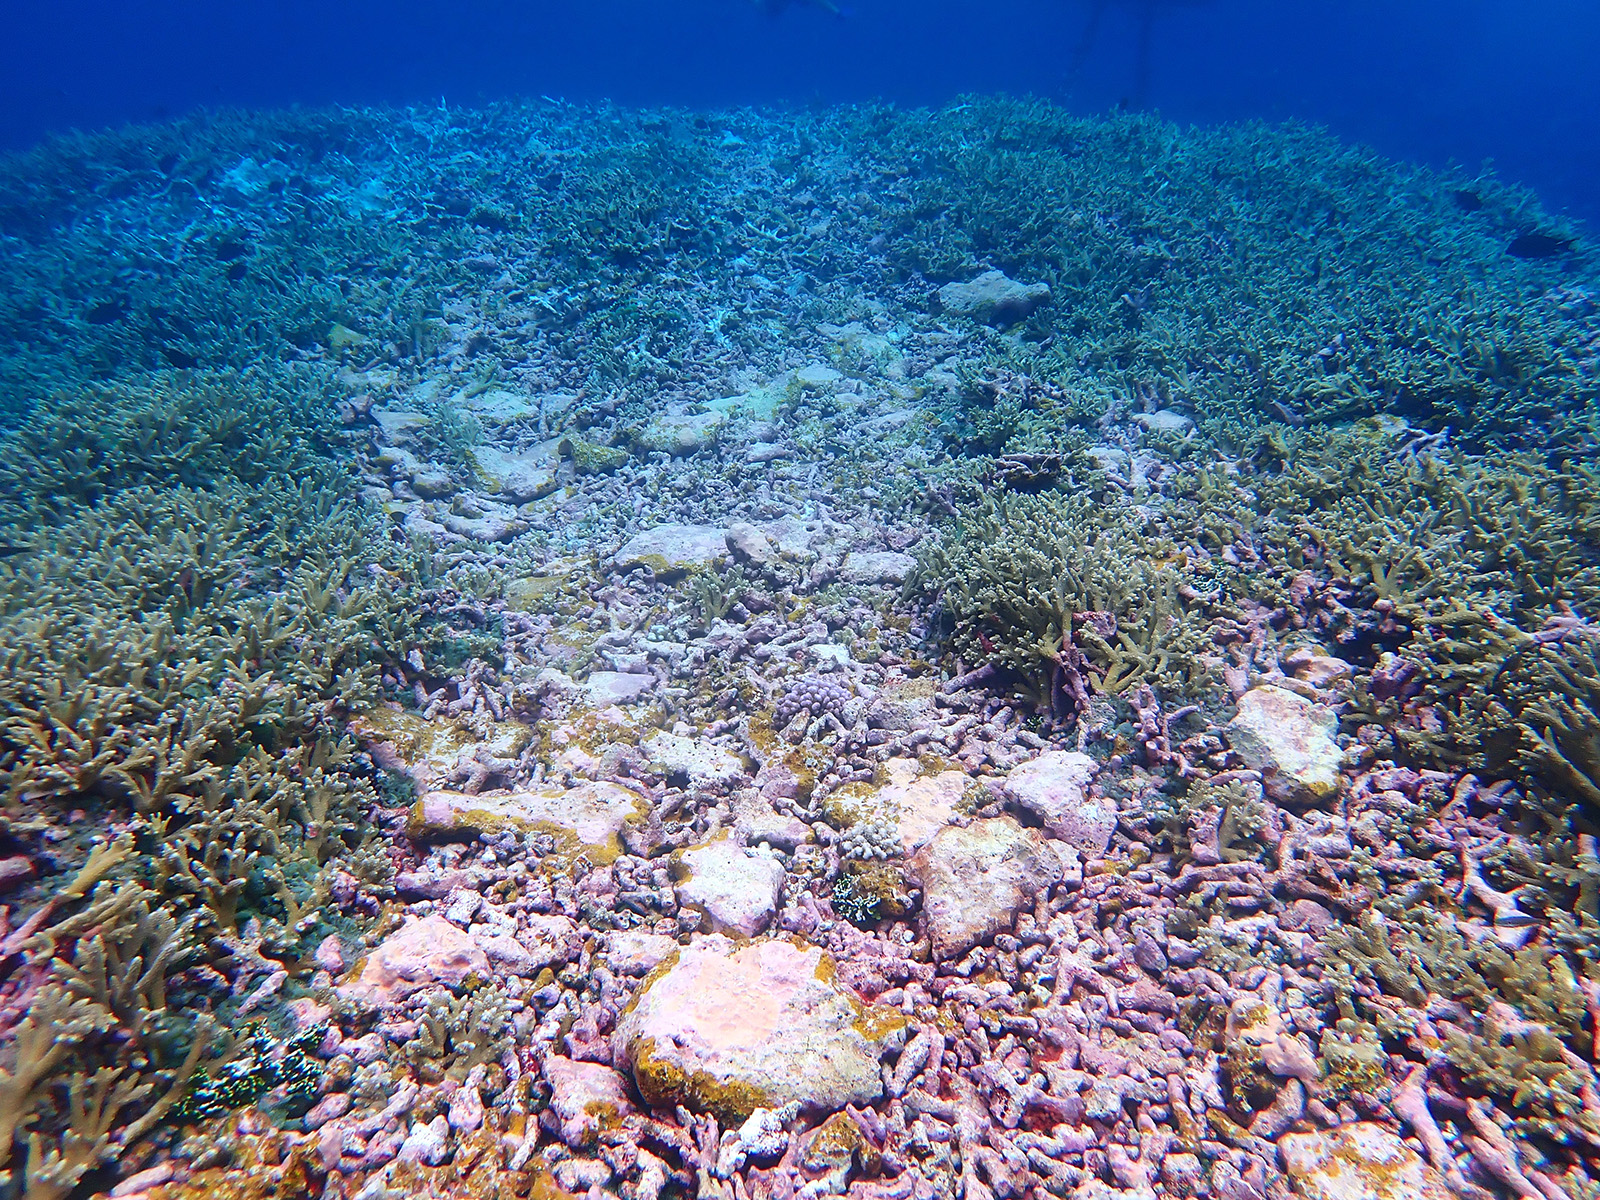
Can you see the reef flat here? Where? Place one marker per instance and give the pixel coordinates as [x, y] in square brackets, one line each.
[909, 655]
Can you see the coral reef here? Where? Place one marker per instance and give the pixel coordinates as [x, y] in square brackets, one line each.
[911, 656]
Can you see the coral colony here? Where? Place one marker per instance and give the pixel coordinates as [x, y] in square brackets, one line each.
[950, 655]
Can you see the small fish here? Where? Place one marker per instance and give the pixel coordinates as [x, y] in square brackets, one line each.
[1539, 245]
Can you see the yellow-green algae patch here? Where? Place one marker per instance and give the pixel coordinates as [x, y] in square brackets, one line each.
[432, 747]
[584, 820]
[663, 1082]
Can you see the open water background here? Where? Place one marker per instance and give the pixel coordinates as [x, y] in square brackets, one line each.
[1515, 81]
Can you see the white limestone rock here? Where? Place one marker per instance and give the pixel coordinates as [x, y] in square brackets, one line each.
[1358, 1161]
[674, 549]
[586, 819]
[877, 566]
[737, 889]
[1055, 788]
[1289, 739]
[976, 880]
[993, 299]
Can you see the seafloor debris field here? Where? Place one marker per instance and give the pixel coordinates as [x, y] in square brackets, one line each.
[901, 655]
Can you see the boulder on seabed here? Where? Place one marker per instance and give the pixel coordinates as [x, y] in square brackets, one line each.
[976, 880]
[1289, 739]
[729, 1029]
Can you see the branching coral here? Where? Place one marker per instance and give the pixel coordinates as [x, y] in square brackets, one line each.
[1028, 578]
[197, 612]
[470, 1030]
[1393, 299]
[1520, 1030]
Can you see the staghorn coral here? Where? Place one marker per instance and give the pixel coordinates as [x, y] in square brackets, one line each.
[472, 1026]
[1028, 578]
[1162, 245]
[1520, 1018]
[257, 614]
[1514, 531]
[182, 641]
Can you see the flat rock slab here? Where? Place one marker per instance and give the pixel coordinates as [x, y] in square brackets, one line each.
[673, 549]
[877, 566]
[1359, 1161]
[681, 433]
[398, 426]
[920, 805]
[400, 740]
[976, 880]
[727, 1030]
[1055, 788]
[519, 476]
[586, 819]
[426, 952]
[616, 687]
[993, 299]
[1289, 739]
[738, 890]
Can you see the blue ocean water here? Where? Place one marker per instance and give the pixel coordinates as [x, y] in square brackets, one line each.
[1464, 81]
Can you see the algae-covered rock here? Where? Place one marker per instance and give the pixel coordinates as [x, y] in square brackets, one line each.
[976, 880]
[1054, 787]
[994, 299]
[422, 953]
[519, 476]
[877, 566]
[673, 549]
[586, 819]
[1359, 1161]
[1289, 739]
[586, 1098]
[681, 433]
[727, 1030]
